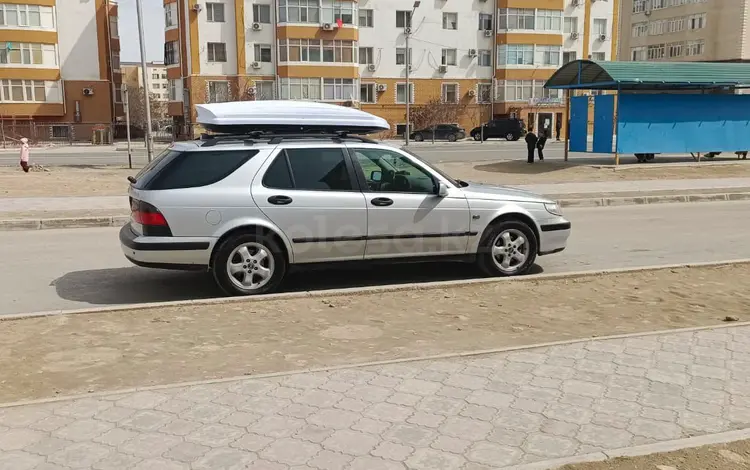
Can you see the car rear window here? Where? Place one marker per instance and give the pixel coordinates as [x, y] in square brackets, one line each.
[178, 170]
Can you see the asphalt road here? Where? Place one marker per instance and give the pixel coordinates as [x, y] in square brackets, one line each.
[77, 268]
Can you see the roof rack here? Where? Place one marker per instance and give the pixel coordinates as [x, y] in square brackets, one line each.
[210, 140]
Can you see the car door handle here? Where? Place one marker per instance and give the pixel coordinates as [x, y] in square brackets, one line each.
[280, 200]
[381, 201]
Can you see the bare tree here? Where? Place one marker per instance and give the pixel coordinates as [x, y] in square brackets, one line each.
[137, 105]
[436, 112]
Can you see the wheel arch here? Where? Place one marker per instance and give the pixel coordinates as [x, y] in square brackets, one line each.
[255, 228]
[516, 214]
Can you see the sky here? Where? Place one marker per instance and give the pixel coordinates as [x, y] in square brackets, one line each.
[153, 23]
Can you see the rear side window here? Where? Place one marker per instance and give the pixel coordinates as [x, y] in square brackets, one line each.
[193, 169]
[313, 169]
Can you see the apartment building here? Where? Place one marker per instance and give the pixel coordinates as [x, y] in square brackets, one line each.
[156, 72]
[490, 57]
[685, 30]
[59, 64]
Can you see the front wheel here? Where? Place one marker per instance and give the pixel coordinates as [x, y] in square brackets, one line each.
[418, 137]
[249, 264]
[510, 137]
[508, 248]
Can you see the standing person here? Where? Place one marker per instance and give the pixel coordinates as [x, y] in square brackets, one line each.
[25, 154]
[540, 143]
[531, 141]
[558, 128]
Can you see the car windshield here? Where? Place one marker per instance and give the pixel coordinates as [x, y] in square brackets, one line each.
[454, 182]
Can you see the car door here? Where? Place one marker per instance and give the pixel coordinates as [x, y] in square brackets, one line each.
[313, 196]
[441, 132]
[406, 216]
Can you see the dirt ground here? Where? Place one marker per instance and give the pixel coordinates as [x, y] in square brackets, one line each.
[111, 181]
[730, 456]
[42, 357]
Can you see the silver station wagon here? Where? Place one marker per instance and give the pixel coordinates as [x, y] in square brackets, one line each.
[287, 184]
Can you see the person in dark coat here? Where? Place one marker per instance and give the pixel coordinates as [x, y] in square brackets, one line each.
[540, 143]
[531, 141]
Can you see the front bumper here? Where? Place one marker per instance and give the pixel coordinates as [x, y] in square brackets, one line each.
[182, 253]
[553, 237]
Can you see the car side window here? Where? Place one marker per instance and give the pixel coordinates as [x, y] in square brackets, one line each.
[390, 172]
[312, 169]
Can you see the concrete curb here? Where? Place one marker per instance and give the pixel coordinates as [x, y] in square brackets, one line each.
[636, 451]
[367, 290]
[119, 220]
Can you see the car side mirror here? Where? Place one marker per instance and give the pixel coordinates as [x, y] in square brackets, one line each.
[441, 190]
[376, 176]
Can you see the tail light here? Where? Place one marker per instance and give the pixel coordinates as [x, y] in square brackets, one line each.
[150, 218]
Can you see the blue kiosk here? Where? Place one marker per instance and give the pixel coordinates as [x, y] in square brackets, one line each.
[659, 107]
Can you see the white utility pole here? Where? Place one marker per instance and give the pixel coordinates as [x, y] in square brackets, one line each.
[407, 33]
[144, 71]
[126, 100]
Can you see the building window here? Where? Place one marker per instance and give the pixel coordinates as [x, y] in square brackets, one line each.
[655, 28]
[401, 94]
[403, 19]
[173, 90]
[401, 56]
[366, 55]
[155, 76]
[171, 53]
[675, 49]
[155, 86]
[515, 90]
[262, 52]
[694, 48]
[217, 52]
[449, 57]
[339, 89]
[570, 24]
[515, 54]
[484, 93]
[170, 15]
[449, 93]
[516, 18]
[599, 56]
[674, 25]
[26, 16]
[28, 54]
[485, 58]
[569, 56]
[315, 50]
[334, 10]
[600, 27]
[639, 6]
[485, 22]
[549, 20]
[640, 30]
[218, 91]
[548, 55]
[367, 93]
[262, 13]
[115, 61]
[299, 11]
[450, 21]
[697, 21]
[365, 18]
[265, 90]
[656, 52]
[300, 89]
[29, 91]
[638, 54]
[114, 31]
[215, 12]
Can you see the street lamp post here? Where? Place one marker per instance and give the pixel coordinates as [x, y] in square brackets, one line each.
[407, 33]
[144, 71]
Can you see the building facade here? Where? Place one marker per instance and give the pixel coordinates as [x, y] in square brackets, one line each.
[489, 58]
[685, 30]
[156, 72]
[59, 67]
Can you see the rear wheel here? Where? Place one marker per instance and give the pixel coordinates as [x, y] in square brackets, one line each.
[451, 137]
[508, 248]
[418, 137]
[249, 264]
[510, 137]
[477, 137]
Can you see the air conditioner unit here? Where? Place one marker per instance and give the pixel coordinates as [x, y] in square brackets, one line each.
[472, 52]
[370, 67]
[573, 35]
[382, 87]
[576, 3]
[602, 37]
[88, 92]
[197, 7]
[443, 69]
[255, 65]
[488, 33]
[257, 26]
[471, 93]
[327, 27]
[251, 90]
[407, 30]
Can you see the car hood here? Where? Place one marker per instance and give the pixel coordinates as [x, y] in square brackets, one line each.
[502, 193]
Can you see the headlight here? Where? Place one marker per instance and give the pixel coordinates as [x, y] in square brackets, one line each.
[553, 209]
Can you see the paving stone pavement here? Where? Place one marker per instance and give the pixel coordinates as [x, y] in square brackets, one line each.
[469, 413]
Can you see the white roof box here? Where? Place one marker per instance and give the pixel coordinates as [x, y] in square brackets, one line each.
[285, 116]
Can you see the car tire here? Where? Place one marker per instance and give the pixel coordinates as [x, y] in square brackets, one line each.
[452, 137]
[477, 137]
[263, 252]
[418, 137]
[510, 137]
[510, 240]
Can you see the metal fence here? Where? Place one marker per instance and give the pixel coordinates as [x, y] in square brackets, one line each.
[54, 133]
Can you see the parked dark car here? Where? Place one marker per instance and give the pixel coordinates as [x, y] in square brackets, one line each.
[449, 132]
[508, 129]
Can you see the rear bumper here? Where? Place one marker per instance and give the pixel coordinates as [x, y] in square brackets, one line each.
[166, 252]
[554, 237]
